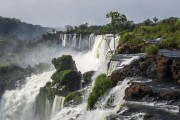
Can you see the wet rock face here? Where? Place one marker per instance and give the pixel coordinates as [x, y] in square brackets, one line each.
[176, 70]
[137, 91]
[119, 75]
[168, 69]
[163, 68]
[170, 95]
[143, 67]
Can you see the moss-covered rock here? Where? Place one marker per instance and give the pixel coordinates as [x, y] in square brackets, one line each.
[70, 78]
[87, 77]
[102, 84]
[65, 62]
[73, 98]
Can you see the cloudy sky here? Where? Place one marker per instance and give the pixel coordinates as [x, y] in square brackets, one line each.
[57, 13]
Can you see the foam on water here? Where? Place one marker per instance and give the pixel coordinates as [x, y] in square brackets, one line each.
[19, 104]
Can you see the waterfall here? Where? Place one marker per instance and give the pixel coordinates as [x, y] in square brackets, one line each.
[64, 41]
[116, 94]
[121, 61]
[19, 104]
[30, 103]
[80, 38]
[57, 104]
[74, 40]
[91, 40]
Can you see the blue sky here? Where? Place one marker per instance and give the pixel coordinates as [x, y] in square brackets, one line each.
[58, 13]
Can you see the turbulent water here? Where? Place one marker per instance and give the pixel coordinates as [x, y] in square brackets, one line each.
[19, 104]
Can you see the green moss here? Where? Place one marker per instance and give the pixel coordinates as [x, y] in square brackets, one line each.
[151, 49]
[65, 62]
[87, 76]
[70, 78]
[102, 84]
[73, 98]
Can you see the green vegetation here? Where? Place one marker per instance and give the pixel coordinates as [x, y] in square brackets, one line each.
[65, 62]
[70, 78]
[152, 49]
[12, 27]
[66, 73]
[102, 84]
[73, 98]
[167, 30]
[87, 76]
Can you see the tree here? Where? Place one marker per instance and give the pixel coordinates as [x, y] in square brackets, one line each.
[148, 22]
[53, 30]
[68, 28]
[155, 19]
[117, 20]
[83, 26]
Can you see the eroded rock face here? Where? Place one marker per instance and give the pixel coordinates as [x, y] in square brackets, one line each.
[168, 69]
[176, 70]
[164, 73]
[163, 68]
[169, 95]
[137, 91]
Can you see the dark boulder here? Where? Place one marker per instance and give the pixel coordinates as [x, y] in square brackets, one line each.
[137, 91]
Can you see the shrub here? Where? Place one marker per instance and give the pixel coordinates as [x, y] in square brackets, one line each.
[102, 84]
[151, 49]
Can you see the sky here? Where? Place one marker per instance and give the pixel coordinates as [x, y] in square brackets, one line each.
[58, 13]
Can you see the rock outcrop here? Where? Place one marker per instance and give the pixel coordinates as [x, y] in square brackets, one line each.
[66, 79]
[137, 91]
[65, 62]
[165, 69]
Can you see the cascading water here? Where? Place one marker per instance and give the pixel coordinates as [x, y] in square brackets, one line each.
[57, 104]
[120, 62]
[19, 104]
[24, 104]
